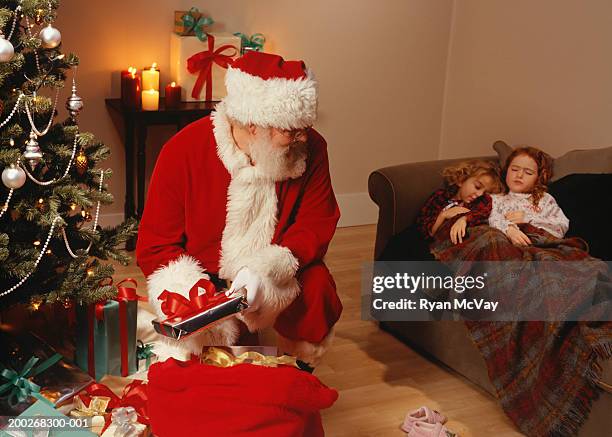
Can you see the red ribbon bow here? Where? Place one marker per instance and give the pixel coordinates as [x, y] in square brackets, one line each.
[203, 62]
[177, 305]
[134, 395]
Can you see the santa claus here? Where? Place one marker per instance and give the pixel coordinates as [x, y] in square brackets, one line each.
[245, 195]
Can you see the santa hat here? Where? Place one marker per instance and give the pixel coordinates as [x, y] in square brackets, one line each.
[265, 90]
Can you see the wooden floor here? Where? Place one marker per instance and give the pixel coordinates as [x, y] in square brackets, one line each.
[378, 377]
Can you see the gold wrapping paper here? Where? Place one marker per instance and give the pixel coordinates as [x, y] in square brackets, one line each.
[96, 410]
[222, 358]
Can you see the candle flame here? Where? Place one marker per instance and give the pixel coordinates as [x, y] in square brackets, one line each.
[173, 84]
[132, 71]
[154, 66]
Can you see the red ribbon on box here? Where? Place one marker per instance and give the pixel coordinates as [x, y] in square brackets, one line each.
[177, 305]
[125, 294]
[134, 395]
[203, 62]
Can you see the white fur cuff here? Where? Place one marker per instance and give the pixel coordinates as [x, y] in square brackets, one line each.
[276, 263]
[178, 277]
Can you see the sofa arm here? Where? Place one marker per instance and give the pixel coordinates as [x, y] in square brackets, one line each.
[400, 191]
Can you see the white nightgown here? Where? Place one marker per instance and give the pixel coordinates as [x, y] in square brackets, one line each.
[547, 216]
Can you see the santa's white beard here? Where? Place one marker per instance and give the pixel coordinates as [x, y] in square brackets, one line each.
[278, 163]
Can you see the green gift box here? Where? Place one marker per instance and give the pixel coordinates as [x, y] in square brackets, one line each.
[30, 370]
[60, 425]
[106, 338]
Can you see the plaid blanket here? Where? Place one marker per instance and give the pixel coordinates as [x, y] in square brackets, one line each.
[544, 373]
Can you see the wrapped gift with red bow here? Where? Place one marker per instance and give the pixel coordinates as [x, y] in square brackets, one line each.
[106, 334]
[199, 67]
[201, 311]
[111, 408]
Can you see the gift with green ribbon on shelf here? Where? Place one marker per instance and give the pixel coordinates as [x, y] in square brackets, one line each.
[191, 22]
[254, 42]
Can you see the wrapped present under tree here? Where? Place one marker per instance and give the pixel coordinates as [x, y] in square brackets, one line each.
[106, 334]
[30, 370]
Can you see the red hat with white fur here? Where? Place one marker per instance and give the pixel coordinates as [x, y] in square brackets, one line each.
[265, 90]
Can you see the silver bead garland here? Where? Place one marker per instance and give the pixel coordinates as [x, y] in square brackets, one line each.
[35, 51]
[17, 9]
[95, 223]
[52, 181]
[6, 203]
[45, 130]
[42, 253]
[13, 111]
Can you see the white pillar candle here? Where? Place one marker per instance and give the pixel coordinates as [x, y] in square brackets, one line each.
[150, 78]
[150, 100]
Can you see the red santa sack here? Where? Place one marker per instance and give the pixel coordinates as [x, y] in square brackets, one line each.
[195, 399]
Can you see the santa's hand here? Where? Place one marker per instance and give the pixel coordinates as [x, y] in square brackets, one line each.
[249, 281]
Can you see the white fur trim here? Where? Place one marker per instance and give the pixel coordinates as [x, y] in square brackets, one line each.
[249, 228]
[236, 161]
[310, 353]
[277, 102]
[230, 155]
[178, 277]
[275, 262]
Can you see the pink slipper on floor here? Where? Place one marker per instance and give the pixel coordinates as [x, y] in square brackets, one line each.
[423, 414]
[423, 429]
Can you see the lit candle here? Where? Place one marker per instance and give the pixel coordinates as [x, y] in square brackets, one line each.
[150, 78]
[130, 88]
[150, 100]
[173, 96]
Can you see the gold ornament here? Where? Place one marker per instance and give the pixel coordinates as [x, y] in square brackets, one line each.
[40, 17]
[81, 162]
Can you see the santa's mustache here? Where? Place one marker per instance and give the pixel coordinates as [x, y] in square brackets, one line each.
[279, 163]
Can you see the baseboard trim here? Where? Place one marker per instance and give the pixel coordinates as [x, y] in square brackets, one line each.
[356, 209]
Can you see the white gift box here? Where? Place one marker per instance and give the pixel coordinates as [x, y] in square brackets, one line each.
[184, 47]
[140, 430]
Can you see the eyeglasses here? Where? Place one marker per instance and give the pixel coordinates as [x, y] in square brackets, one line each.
[293, 134]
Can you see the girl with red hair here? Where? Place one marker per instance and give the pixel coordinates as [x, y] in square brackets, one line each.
[527, 172]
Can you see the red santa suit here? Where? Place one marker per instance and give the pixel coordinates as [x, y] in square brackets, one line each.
[209, 209]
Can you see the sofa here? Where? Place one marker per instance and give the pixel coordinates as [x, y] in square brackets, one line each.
[400, 191]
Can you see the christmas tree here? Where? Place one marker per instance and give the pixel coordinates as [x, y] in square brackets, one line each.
[52, 190]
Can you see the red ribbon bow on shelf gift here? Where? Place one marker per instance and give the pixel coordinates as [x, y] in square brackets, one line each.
[203, 62]
[134, 395]
[177, 305]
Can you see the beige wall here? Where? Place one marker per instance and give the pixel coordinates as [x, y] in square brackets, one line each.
[528, 72]
[380, 65]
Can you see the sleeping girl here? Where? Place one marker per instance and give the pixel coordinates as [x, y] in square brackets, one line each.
[464, 195]
[527, 172]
